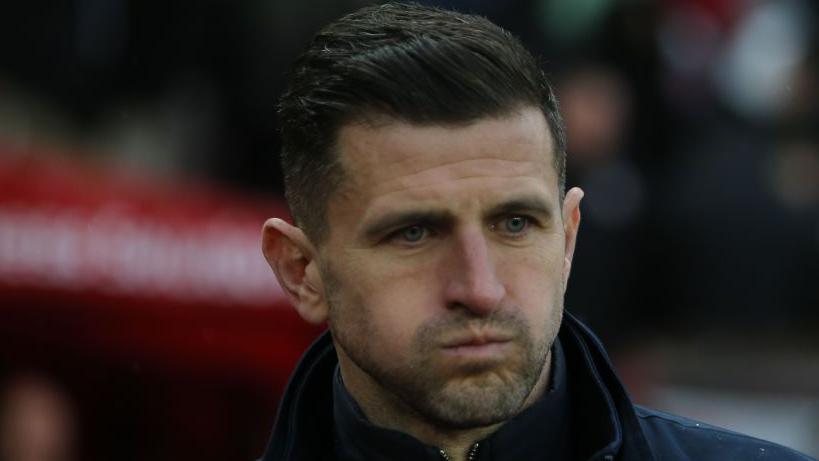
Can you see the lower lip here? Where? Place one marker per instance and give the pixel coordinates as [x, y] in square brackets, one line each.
[478, 351]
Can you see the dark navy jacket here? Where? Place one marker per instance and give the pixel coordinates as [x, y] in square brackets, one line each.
[607, 425]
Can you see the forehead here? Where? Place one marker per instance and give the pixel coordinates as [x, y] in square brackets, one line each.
[379, 157]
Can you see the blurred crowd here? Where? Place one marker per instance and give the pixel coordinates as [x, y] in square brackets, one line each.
[37, 420]
[693, 127]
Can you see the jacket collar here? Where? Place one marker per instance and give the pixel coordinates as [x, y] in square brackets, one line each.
[606, 426]
[522, 437]
[626, 441]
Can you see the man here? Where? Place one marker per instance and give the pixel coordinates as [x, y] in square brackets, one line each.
[424, 166]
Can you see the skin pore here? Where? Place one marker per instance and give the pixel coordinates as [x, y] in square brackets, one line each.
[443, 275]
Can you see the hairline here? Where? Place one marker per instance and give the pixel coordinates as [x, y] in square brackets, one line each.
[375, 118]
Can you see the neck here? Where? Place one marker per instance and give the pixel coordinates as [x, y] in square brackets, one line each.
[384, 409]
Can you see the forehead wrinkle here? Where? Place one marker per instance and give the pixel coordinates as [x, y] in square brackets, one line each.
[415, 160]
[472, 170]
[402, 164]
[417, 196]
[371, 148]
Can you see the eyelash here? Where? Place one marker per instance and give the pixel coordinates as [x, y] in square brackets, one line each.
[397, 236]
[527, 223]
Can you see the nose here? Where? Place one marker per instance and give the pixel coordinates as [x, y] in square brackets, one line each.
[472, 280]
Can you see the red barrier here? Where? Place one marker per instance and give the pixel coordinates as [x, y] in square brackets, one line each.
[166, 273]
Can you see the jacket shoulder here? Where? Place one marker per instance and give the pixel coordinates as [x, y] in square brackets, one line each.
[676, 438]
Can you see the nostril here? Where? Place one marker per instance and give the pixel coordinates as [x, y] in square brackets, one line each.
[480, 298]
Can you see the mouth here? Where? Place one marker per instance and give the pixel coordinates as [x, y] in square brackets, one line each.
[481, 346]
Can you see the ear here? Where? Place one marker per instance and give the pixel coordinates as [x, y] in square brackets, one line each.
[571, 224]
[294, 261]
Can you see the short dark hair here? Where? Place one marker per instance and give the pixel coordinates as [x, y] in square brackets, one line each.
[408, 62]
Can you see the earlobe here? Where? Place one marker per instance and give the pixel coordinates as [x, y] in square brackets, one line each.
[571, 226]
[293, 259]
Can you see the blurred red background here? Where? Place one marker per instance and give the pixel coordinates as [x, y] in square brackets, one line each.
[139, 321]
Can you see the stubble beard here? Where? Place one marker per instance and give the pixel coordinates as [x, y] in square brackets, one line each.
[463, 396]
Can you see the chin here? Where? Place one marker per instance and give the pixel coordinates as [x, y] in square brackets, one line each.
[476, 402]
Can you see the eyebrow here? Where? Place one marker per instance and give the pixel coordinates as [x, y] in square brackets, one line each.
[529, 204]
[398, 219]
[439, 218]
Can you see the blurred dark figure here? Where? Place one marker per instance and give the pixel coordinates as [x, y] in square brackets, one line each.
[37, 421]
[598, 105]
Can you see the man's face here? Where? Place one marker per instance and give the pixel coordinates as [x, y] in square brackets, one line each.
[444, 270]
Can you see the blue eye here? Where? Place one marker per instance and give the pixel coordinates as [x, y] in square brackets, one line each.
[515, 224]
[413, 234]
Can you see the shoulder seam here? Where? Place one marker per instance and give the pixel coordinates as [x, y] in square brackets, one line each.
[647, 413]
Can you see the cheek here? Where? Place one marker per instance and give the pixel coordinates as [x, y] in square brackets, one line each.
[534, 284]
[393, 301]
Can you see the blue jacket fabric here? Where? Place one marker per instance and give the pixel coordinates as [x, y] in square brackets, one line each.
[609, 427]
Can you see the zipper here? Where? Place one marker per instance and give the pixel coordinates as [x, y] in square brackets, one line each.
[470, 456]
